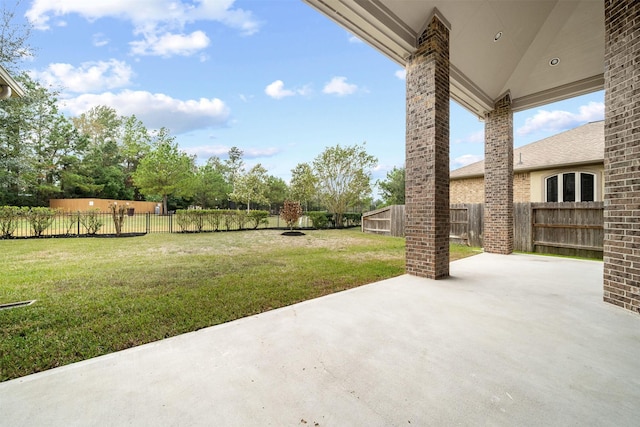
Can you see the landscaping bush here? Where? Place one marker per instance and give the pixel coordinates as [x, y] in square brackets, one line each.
[213, 219]
[9, 219]
[40, 219]
[229, 219]
[72, 222]
[291, 212]
[90, 220]
[320, 219]
[352, 219]
[241, 219]
[183, 219]
[117, 213]
[255, 218]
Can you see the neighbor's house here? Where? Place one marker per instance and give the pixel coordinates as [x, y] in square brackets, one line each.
[8, 87]
[567, 167]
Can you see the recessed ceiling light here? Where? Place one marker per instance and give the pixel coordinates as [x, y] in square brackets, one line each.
[554, 61]
[497, 36]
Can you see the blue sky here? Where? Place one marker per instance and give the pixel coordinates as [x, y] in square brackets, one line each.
[273, 77]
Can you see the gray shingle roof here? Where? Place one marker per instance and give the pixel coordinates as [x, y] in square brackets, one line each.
[581, 145]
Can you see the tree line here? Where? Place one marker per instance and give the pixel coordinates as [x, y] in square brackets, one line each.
[100, 154]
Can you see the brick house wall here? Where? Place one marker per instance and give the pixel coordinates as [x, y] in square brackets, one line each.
[467, 190]
[521, 187]
[471, 190]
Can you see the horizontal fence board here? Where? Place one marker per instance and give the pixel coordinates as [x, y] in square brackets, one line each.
[576, 226]
[388, 220]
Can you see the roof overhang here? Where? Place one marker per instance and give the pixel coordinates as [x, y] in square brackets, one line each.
[6, 81]
[496, 46]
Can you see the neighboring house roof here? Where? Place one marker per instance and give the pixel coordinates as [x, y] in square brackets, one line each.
[7, 81]
[579, 146]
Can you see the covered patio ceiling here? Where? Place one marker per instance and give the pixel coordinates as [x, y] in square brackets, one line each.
[539, 51]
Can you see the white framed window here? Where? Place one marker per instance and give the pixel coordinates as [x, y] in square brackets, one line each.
[570, 187]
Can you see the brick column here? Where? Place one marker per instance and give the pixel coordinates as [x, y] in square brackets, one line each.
[498, 179]
[622, 155]
[427, 155]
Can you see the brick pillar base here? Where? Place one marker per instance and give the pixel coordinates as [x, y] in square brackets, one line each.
[622, 155]
[498, 179]
[427, 156]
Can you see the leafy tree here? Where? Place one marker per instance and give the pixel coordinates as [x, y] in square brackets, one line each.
[14, 39]
[393, 187]
[303, 184]
[343, 176]
[103, 161]
[15, 155]
[291, 212]
[277, 190]
[251, 187]
[35, 138]
[234, 165]
[136, 143]
[102, 125]
[165, 170]
[211, 188]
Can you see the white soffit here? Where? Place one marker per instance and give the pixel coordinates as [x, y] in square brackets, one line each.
[483, 70]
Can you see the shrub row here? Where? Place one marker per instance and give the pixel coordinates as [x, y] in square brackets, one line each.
[217, 219]
[323, 219]
[40, 218]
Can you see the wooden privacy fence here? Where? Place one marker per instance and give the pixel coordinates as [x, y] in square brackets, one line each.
[466, 223]
[388, 221]
[558, 228]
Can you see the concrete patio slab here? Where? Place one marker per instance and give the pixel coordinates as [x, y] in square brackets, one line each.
[507, 340]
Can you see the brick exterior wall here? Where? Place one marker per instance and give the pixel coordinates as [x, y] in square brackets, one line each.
[622, 155]
[471, 190]
[498, 174]
[427, 155]
[467, 190]
[521, 187]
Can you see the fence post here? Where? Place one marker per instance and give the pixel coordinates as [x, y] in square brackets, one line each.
[148, 220]
[78, 223]
[170, 223]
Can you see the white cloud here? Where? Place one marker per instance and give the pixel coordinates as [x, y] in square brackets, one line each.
[473, 138]
[339, 86]
[145, 14]
[88, 77]
[156, 110]
[207, 151]
[401, 74]
[100, 40]
[159, 22]
[168, 44]
[465, 160]
[558, 120]
[276, 90]
[354, 39]
[254, 153]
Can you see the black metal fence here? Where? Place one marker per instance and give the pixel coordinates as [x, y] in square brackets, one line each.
[95, 224]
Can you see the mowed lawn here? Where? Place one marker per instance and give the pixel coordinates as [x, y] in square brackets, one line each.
[100, 295]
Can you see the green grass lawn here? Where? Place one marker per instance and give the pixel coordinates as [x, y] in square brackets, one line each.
[99, 295]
